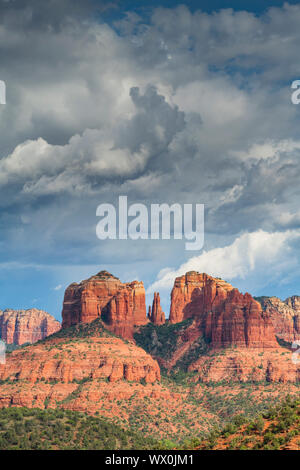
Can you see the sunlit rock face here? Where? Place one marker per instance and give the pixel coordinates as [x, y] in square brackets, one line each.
[26, 326]
[285, 316]
[224, 315]
[120, 305]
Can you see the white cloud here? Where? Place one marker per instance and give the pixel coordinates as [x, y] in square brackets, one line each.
[91, 153]
[249, 253]
[217, 100]
[268, 149]
[116, 151]
[57, 287]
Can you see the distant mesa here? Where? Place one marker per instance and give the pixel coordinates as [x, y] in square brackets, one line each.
[285, 316]
[26, 326]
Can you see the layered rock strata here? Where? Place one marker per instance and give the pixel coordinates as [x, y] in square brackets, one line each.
[120, 305]
[26, 326]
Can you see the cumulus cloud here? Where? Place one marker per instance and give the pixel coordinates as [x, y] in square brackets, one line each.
[79, 166]
[59, 287]
[258, 252]
[268, 149]
[42, 168]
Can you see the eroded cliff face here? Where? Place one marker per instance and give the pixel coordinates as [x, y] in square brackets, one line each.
[244, 365]
[26, 326]
[285, 316]
[156, 314]
[194, 294]
[226, 317]
[120, 305]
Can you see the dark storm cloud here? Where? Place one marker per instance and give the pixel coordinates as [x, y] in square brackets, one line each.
[46, 60]
[117, 153]
[155, 123]
[187, 108]
[38, 14]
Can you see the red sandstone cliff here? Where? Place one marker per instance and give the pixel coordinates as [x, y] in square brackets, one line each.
[120, 305]
[194, 294]
[242, 345]
[285, 315]
[26, 326]
[156, 314]
[224, 315]
[244, 365]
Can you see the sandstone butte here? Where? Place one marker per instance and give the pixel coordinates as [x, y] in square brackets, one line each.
[26, 326]
[156, 314]
[222, 314]
[241, 335]
[285, 315]
[121, 306]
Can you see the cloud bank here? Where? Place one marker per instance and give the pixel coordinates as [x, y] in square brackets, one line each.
[259, 252]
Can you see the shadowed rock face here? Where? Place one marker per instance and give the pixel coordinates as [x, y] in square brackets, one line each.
[285, 315]
[224, 315]
[156, 315]
[120, 305]
[194, 294]
[26, 326]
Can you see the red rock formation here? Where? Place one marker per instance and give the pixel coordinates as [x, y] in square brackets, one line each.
[120, 305]
[285, 316]
[156, 315]
[193, 294]
[26, 326]
[244, 365]
[240, 322]
[224, 315]
[59, 360]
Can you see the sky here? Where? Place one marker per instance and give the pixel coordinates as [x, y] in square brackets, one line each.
[164, 102]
